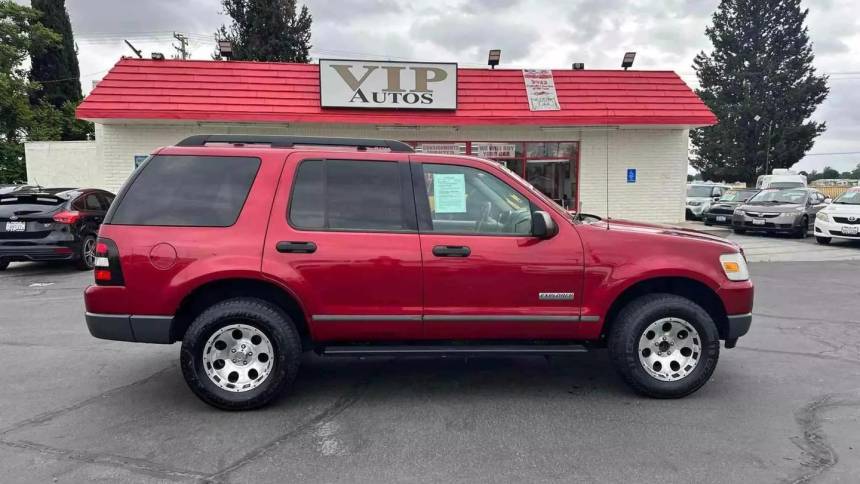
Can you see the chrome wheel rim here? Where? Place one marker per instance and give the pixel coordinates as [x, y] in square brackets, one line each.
[670, 349]
[238, 358]
[90, 252]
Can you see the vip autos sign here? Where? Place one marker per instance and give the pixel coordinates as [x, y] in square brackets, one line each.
[387, 85]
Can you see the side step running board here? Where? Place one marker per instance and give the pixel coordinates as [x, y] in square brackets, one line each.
[439, 350]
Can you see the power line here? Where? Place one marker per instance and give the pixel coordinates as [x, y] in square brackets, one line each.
[834, 154]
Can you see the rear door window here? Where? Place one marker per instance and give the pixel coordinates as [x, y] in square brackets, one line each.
[351, 195]
[187, 191]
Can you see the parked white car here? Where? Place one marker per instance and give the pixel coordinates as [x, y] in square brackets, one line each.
[840, 219]
[700, 196]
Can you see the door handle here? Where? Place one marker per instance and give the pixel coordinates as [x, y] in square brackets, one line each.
[451, 251]
[296, 247]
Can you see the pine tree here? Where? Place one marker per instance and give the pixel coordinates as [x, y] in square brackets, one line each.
[56, 68]
[267, 30]
[760, 82]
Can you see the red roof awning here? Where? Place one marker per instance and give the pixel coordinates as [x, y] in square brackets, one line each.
[289, 93]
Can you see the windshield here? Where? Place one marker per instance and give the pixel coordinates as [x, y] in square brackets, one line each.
[785, 185]
[780, 196]
[700, 191]
[849, 198]
[738, 195]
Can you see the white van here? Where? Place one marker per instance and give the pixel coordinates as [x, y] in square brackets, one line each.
[781, 178]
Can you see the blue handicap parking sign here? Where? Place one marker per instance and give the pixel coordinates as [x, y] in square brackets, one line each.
[631, 175]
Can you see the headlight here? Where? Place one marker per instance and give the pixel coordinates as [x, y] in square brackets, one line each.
[739, 211]
[823, 217]
[735, 267]
[799, 209]
[694, 204]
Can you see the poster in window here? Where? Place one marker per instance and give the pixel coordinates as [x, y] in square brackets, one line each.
[449, 192]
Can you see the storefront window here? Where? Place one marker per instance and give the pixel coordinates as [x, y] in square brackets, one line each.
[550, 166]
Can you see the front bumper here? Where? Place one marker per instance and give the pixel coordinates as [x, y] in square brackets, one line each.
[738, 325]
[834, 230]
[787, 222]
[125, 327]
[718, 218]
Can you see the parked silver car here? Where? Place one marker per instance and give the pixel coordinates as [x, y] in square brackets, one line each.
[790, 210]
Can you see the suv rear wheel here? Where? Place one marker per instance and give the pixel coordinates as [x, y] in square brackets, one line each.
[240, 354]
[664, 346]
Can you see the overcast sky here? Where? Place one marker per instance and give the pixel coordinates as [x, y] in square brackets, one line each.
[531, 33]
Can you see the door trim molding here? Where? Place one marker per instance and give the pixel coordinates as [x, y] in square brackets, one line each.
[455, 317]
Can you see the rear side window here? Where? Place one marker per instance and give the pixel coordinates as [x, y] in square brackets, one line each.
[349, 195]
[188, 191]
[88, 202]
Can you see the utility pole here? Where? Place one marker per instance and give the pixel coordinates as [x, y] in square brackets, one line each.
[182, 48]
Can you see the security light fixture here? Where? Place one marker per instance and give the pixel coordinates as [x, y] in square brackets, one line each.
[628, 60]
[578, 66]
[757, 118]
[157, 56]
[225, 49]
[493, 59]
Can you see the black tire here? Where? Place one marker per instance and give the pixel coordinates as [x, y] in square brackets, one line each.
[633, 321]
[823, 240]
[803, 231]
[4, 263]
[739, 231]
[707, 222]
[86, 261]
[265, 317]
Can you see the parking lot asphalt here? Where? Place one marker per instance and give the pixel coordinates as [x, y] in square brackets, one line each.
[782, 407]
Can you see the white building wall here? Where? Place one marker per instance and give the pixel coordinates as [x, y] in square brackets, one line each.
[658, 154]
[62, 163]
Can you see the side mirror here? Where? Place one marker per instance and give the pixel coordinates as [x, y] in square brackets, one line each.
[828, 201]
[543, 226]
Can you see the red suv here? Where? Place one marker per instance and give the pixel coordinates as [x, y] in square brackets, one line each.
[253, 249]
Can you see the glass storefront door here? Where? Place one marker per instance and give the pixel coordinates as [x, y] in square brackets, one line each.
[552, 177]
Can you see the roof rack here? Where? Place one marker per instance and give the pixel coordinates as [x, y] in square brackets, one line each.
[276, 141]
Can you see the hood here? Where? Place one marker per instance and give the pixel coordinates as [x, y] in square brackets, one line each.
[842, 209]
[668, 230]
[699, 199]
[726, 204]
[772, 207]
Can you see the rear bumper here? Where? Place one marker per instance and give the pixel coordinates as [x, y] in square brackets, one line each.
[125, 327]
[38, 253]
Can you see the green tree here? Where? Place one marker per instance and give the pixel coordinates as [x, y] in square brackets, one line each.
[760, 82]
[267, 30]
[56, 68]
[21, 35]
[56, 71]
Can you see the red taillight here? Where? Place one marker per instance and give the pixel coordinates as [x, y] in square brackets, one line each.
[67, 217]
[108, 271]
[103, 275]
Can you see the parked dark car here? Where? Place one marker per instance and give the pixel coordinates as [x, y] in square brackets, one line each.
[51, 224]
[791, 210]
[720, 213]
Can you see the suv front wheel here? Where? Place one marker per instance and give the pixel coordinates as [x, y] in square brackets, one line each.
[240, 354]
[664, 346]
